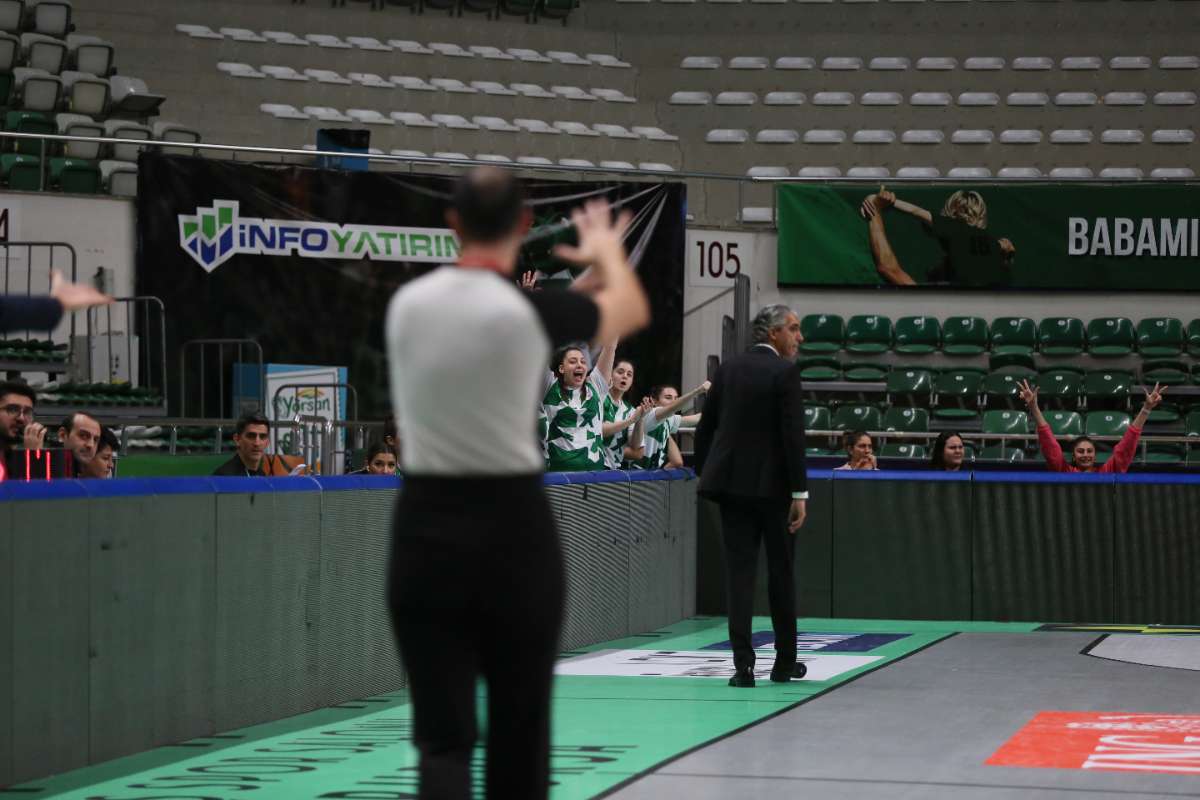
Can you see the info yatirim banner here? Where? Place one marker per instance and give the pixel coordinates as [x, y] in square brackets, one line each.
[1048, 236]
[304, 261]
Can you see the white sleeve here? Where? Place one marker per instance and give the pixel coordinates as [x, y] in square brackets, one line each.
[673, 424]
[598, 383]
[653, 421]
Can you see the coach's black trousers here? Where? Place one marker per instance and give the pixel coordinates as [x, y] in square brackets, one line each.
[476, 589]
[745, 523]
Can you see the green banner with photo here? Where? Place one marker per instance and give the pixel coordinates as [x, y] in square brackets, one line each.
[1020, 236]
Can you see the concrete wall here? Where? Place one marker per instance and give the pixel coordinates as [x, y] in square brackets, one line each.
[138, 613]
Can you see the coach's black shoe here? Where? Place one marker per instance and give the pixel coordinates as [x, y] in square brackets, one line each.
[743, 679]
[784, 675]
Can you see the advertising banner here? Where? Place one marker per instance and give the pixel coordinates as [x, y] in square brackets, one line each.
[304, 261]
[1020, 236]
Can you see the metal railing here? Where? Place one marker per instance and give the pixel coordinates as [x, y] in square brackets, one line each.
[139, 362]
[12, 253]
[203, 344]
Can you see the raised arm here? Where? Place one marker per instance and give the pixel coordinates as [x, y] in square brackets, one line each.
[662, 413]
[610, 281]
[1126, 449]
[886, 263]
[1153, 398]
[1051, 450]
[604, 361]
[635, 447]
[674, 457]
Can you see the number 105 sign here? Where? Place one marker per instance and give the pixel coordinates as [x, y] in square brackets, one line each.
[715, 258]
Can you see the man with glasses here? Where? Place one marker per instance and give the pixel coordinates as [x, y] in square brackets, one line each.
[17, 428]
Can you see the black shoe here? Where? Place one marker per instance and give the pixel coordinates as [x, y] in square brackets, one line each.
[784, 675]
[743, 679]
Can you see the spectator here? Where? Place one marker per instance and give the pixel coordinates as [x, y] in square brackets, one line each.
[101, 464]
[380, 460]
[860, 447]
[17, 428]
[80, 433]
[250, 437]
[572, 413]
[949, 452]
[662, 423]
[1083, 449]
[620, 415]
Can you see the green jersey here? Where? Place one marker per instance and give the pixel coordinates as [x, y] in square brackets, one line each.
[655, 441]
[614, 446]
[574, 437]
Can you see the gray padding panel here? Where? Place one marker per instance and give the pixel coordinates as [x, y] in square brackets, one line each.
[649, 551]
[266, 546]
[50, 636]
[6, 644]
[1157, 553]
[356, 643]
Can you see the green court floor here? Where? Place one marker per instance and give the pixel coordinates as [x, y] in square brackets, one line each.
[643, 701]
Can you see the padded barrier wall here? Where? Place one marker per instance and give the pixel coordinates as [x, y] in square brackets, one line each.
[988, 546]
[136, 613]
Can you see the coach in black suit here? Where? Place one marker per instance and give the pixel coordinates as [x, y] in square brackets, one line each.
[750, 457]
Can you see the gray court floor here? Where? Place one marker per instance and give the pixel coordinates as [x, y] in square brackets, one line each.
[924, 726]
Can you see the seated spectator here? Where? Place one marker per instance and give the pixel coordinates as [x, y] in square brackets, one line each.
[571, 416]
[380, 460]
[17, 428]
[619, 416]
[101, 464]
[662, 423]
[1083, 449]
[250, 437]
[860, 447]
[80, 433]
[949, 452]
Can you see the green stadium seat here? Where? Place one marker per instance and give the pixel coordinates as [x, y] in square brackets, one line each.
[75, 175]
[1110, 337]
[1013, 335]
[1060, 388]
[1005, 421]
[816, 418]
[1191, 423]
[1193, 338]
[1003, 388]
[1166, 372]
[1106, 423]
[823, 333]
[556, 9]
[818, 368]
[29, 122]
[866, 372]
[964, 336]
[855, 417]
[903, 451]
[1061, 336]
[1006, 453]
[1159, 337]
[957, 393]
[6, 84]
[911, 385]
[868, 333]
[1022, 362]
[1165, 414]
[917, 335]
[1064, 423]
[21, 172]
[1163, 454]
[1107, 386]
[906, 420]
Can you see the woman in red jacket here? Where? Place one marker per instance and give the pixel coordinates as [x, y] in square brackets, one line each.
[1084, 449]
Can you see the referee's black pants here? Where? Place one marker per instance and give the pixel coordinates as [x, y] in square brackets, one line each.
[476, 589]
[745, 523]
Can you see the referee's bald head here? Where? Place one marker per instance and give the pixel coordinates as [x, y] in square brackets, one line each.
[488, 206]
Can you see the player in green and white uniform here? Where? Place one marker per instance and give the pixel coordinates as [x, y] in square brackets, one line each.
[662, 423]
[622, 419]
[573, 409]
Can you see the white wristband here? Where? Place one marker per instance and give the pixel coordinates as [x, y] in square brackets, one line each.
[799, 495]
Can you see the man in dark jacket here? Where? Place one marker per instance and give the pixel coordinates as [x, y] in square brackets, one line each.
[750, 458]
[251, 436]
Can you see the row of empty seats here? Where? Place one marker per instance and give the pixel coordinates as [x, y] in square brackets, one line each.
[532, 161]
[967, 173]
[81, 53]
[26, 172]
[47, 17]
[419, 84]
[965, 136]
[935, 99]
[79, 92]
[415, 119]
[1105, 337]
[406, 46]
[941, 63]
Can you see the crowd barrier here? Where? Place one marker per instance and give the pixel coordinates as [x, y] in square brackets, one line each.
[1027, 546]
[143, 612]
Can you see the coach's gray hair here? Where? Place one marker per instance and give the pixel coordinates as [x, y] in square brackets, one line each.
[766, 320]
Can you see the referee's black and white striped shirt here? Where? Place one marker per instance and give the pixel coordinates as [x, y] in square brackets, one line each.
[468, 352]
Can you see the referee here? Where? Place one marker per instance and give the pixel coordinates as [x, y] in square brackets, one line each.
[476, 576]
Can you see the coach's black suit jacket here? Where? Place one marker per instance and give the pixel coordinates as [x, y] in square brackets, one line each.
[750, 441]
